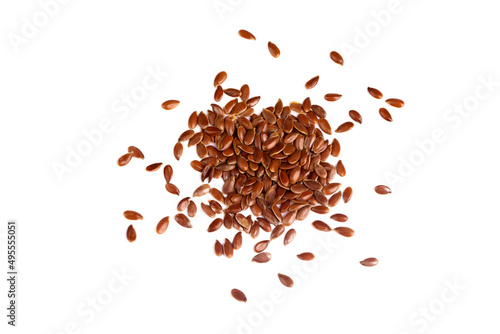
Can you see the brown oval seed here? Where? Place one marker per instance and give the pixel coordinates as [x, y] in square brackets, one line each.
[273, 50]
[170, 104]
[215, 225]
[192, 121]
[201, 190]
[208, 210]
[344, 127]
[154, 167]
[239, 295]
[339, 217]
[356, 117]
[246, 35]
[321, 226]
[186, 135]
[162, 225]
[335, 199]
[337, 58]
[331, 188]
[397, 103]
[178, 150]
[383, 190]
[228, 248]
[136, 153]
[171, 188]
[341, 168]
[285, 280]
[131, 234]
[369, 262]
[277, 231]
[344, 231]
[312, 82]
[289, 236]
[325, 126]
[168, 172]
[125, 159]
[375, 93]
[237, 240]
[220, 78]
[182, 220]
[385, 114]
[332, 97]
[183, 204]
[262, 257]
[261, 246]
[347, 195]
[191, 209]
[132, 215]
[218, 248]
[306, 256]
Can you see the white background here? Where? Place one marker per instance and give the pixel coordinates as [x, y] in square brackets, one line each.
[439, 227]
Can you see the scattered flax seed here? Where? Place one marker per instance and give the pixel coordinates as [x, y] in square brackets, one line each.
[182, 220]
[183, 204]
[153, 167]
[375, 93]
[136, 153]
[344, 231]
[219, 250]
[132, 215]
[262, 257]
[237, 240]
[131, 234]
[285, 280]
[170, 104]
[162, 225]
[341, 168]
[337, 58]
[239, 295]
[335, 199]
[383, 190]
[201, 190]
[321, 226]
[220, 78]
[397, 103]
[347, 195]
[178, 151]
[273, 50]
[385, 114]
[124, 159]
[339, 217]
[312, 82]
[306, 256]
[168, 172]
[172, 188]
[228, 248]
[289, 236]
[215, 225]
[344, 127]
[356, 117]
[246, 35]
[369, 262]
[261, 246]
[332, 97]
